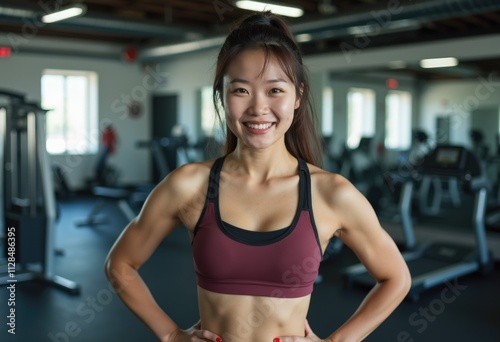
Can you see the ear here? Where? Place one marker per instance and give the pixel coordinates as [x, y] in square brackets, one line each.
[298, 100]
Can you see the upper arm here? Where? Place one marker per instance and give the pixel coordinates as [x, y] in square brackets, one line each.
[361, 231]
[157, 219]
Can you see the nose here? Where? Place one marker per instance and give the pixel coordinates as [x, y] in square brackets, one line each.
[258, 105]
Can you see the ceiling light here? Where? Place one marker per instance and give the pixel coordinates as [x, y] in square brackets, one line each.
[303, 37]
[439, 62]
[257, 6]
[169, 50]
[65, 13]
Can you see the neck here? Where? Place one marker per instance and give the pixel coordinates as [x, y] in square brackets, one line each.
[263, 164]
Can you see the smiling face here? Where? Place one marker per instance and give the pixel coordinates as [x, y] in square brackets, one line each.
[259, 102]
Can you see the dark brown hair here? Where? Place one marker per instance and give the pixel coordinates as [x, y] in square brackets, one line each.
[271, 33]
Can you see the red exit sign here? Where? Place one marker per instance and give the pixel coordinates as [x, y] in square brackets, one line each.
[5, 51]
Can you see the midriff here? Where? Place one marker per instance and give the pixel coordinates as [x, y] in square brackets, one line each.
[241, 318]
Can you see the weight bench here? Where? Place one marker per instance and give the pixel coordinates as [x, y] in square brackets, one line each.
[120, 196]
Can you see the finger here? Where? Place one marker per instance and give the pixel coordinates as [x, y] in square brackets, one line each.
[291, 339]
[310, 333]
[308, 328]
[208, 335]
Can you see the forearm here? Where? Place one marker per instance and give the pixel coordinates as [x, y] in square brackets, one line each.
[380, 302]
[135, 294]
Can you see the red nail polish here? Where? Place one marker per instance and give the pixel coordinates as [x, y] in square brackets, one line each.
[277, 339]
[218, 339]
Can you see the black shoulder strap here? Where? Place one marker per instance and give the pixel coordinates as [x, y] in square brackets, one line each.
[214, 180]
[305, 186]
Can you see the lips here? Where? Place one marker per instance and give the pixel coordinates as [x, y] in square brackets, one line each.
[259, 126]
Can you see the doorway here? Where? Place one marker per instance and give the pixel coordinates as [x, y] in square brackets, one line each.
[164, 108]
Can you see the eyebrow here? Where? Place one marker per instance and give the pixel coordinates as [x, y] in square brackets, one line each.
[274, 80]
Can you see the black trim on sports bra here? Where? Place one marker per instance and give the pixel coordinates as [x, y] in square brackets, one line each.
[251, 237]
[308, 199]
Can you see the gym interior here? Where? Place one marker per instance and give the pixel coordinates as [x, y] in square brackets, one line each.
[97, 108]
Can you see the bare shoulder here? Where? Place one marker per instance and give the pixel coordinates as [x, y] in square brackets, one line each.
[340, 201]
[189, 177]
[184, 190]
[332, 187]
[185, 182]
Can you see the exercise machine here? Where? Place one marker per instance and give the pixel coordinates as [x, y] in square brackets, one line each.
[127, 198]
[27, 199]
[435, 263]
[360, 166]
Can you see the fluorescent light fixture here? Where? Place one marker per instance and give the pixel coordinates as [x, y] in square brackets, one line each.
[303, 37]
[258, 6]
[65, 13]
[175, 49]
[439, 62]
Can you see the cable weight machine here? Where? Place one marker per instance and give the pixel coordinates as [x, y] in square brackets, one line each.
[27, 201]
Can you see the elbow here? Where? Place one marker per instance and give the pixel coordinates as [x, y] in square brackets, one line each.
[405, 282]
[400, 283]
[112, 273]
[119, 272]
[109, 266]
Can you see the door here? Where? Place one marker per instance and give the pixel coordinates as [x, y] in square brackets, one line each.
[164, 109]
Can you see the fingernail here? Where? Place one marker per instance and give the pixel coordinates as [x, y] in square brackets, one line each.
[218, 339]
[277, 339]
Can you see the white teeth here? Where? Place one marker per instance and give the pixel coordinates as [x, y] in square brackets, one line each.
[259, 126]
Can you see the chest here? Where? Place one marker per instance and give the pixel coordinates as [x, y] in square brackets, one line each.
[263, 207]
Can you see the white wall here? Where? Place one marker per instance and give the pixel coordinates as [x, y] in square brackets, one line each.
[117, 80]
[457, 100]
[185, 76]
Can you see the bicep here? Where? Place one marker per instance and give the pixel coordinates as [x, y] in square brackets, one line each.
[141, 237]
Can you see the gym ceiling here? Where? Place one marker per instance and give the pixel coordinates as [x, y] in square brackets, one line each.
[160, 29]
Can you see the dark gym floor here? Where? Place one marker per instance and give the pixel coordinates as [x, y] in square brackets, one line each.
[469, 312]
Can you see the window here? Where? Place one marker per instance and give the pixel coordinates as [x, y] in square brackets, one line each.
[360, 115]
[398, 120]
[327, 112]
[71, 123]
[210, 125]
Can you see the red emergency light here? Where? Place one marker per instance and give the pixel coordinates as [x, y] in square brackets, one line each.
[5, 51]
[392, 83]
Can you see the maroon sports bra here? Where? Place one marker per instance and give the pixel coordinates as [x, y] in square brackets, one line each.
[280, 263]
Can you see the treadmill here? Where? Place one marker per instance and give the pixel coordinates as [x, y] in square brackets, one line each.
[436, 263]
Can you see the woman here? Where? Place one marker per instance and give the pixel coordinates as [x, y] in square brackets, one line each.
[255, 278]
